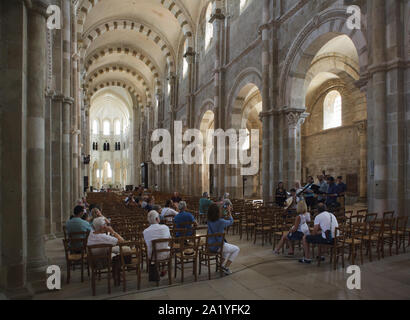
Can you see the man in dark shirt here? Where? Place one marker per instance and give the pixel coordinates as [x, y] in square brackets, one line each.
[332, 193]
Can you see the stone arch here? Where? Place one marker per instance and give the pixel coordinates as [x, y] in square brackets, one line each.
[174, 6]
[249, 76]
[128, 24]
[208, 105]
[320, 30]
[134, 92]
[139, 54]
[115, 67]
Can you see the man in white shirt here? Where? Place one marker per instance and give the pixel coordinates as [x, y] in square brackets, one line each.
[168, 212]
[324, 222]
[156, 231]
[100, 236]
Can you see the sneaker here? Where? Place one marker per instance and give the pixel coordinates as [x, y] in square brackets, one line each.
[308, 261]
[227, 271]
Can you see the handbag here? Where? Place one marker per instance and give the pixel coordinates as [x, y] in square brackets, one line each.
[153, 273]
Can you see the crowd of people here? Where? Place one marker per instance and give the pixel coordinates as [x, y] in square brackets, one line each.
[327, 189]
[218, 216]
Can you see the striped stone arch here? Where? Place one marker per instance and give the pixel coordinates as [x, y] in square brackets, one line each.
[115, 67]
[174, 6]
[134, 52]
[130, 87]
[322, 28]
[126, 24]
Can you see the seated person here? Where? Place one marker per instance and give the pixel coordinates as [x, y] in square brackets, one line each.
[227, 208]
[176, 198]
[168, 211]
[77, 224]
[299, 229]
[280, 195]
[99, 235]
[96, 213]
[182, 218]
[218, 224]
[150, 204]
[323, 232]
[292, 202]
[154, 232]
[309, 194]
[204, 203]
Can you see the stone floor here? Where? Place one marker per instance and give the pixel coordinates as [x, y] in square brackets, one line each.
[257, 274]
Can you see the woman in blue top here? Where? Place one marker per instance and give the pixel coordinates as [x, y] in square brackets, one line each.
[216, 224]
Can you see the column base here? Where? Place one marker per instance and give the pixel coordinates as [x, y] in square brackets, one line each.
[37, 279]
[25, 293]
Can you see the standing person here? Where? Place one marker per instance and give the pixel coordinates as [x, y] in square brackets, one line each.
[184, 217]
[323, 231]
[218, 224]
[204, 204]
[308, 193]
[299, 229]
[341, 190]
[280, 195]
[332, 194]
[322, 188]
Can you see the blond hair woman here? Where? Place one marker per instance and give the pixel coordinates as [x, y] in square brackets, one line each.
[299, 229]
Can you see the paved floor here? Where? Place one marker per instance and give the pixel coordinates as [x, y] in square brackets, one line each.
[257, 274]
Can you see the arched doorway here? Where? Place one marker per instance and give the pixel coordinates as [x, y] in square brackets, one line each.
[248, 106]
[333, 137]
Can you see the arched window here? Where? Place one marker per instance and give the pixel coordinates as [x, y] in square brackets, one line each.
[117, 127]
[209, 28]
[242, 5]
[109, 170]
[169, 87]
[332, 110]
[95, 127]
[98, 173]
[106, 128]
[185, 60]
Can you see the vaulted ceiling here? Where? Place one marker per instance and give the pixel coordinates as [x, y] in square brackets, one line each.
[133, 43]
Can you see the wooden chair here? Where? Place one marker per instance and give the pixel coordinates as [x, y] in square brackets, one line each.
[247, 224]
[263, 227]
[387, 232]
[212, 252]
[186, 252]
[354, 242]
[100, 261]
[130, 256]
[371, 235]
[75, 247]
[162, 256]
[399, 233]
[339, 247]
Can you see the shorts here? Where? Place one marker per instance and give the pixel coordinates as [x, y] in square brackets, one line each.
[317, 239]
[295, 236]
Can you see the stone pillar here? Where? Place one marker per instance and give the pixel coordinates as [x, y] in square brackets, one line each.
[36, 259]
[362, 134]
[295, 118]
[13, 111]
[266, 104]
[378, 132]
[217, 19]
[66, 113]
[172, 168]
[47, 164]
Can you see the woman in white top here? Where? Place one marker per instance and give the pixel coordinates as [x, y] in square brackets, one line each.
[299, 229]
[168, 213]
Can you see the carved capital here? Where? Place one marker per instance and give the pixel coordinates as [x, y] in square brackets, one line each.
[295, 117]
[218, 15]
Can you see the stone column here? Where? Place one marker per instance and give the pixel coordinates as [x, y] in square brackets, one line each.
[190, 56]
[378, 134]
[172, 168]
[36, 258]
[66, 114]
[48, 164]
[362, 133]
[217, 19]
[266, 105]
[295, 118]
[13, 111]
